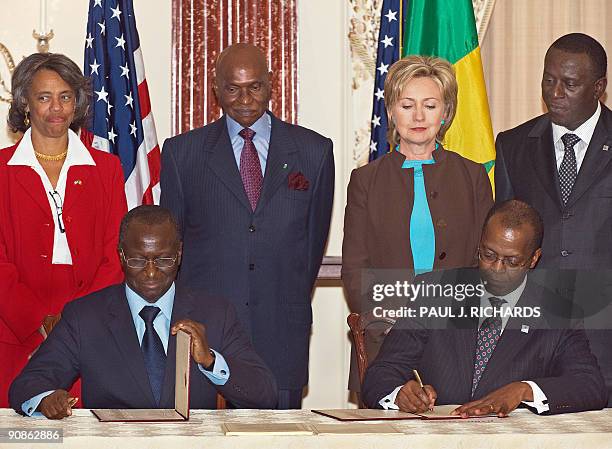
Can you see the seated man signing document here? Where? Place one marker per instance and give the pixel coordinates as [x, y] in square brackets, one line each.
[493, 365]
[121, 340]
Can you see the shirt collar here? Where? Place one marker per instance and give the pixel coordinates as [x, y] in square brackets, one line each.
[262, 127]
[136, 302]
[78, 154]
[584, 131]
[511, 298]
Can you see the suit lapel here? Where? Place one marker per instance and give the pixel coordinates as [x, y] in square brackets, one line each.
[466, 333]
[182, 308]
[124, 333]
[595, 160]
[280, 160]
[76, 184]
[222, 161]
[465, 343]
[28, 179]
[542, 151]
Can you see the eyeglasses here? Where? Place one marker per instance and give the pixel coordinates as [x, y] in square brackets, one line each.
[511, 263]
[57, 200]
[159, 262]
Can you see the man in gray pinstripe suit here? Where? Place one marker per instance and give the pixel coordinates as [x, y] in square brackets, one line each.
[493, 365]
[253, 196]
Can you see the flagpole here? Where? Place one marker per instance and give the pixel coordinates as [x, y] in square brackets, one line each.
[401, 28]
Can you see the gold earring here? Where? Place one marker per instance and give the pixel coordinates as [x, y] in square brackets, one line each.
[26, 120]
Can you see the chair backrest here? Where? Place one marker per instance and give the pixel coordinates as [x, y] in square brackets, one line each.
[221, 405]
[359, 324]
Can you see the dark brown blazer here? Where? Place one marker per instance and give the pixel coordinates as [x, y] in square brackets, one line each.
[377, 216]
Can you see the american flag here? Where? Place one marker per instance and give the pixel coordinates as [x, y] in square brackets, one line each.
[389, 43]
[122, 119]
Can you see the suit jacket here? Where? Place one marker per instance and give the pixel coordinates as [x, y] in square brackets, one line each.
[377, 217]
[265, 261]
[578, 235]
[575, 234]
[97, 340]
[92, 211]
[554, 356]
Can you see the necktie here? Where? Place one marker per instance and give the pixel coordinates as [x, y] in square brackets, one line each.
[568, 170]
[488, 335]
[153, 351]
[250, 168]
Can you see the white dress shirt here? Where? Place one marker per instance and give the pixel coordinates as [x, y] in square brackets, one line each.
[584, 132]
[540, 401]
[78, 154]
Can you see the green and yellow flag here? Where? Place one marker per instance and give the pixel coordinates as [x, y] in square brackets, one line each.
[447, 28]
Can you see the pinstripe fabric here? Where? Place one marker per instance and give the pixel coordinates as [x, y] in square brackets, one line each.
[265, 261]
[558, 360]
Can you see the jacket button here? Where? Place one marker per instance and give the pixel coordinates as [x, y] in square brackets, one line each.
[565, 253]
[251, 266]
[441, 223]
[442, 255]
[47, 225]
[44, 256]
[68, 219]
[566, 216]
[433, 195]
[251, 228]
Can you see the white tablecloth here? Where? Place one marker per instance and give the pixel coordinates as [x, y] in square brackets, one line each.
[589, 430]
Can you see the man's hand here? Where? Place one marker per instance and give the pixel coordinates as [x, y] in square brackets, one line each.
[49, 323]
[200, 350]
[57, 405]
[412, 398]
[500, 402]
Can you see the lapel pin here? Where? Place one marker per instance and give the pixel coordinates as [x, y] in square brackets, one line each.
[525, 329]
[78, 182]
[605, 148]
[285, 166]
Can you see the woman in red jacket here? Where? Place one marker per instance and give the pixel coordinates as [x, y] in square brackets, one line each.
[60, 208]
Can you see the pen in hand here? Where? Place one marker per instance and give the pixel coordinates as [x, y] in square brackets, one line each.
[418, 379]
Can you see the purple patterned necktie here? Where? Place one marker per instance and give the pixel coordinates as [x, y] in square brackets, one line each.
[488, 335]
[568, 170]
[250, 168]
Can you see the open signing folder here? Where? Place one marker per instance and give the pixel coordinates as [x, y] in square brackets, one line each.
[181, 393]
[439, 412]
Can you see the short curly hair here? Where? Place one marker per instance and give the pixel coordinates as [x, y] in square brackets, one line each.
[405, 70]
[21, 82]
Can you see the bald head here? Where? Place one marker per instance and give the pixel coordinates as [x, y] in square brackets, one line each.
[242, 83]
[241, 52]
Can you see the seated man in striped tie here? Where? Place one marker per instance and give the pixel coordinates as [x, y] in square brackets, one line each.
[514, 343]
[121, 340]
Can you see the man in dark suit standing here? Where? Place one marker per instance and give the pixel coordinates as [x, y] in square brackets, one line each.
[492, 362]
[120, 340]
[561, 164]
[253, 196]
